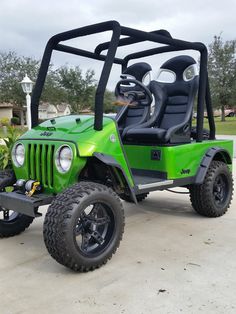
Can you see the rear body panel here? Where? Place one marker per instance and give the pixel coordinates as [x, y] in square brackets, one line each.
[172, 162]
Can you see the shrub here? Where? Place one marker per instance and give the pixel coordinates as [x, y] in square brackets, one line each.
[4, 121]
[13, 134]
[15, 121]
[5, 150]
[4, 157]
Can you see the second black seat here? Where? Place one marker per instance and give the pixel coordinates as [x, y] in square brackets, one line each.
[171, 122]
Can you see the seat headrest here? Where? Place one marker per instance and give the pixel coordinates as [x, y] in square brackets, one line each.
[138, 70]
[178, 65]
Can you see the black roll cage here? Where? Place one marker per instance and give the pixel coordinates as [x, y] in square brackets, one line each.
[132, 36]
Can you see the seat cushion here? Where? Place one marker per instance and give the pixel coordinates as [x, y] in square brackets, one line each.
[146, 135]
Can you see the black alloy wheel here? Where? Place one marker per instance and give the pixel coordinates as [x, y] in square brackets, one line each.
[84, 225]
[94, 229]
[220, 190]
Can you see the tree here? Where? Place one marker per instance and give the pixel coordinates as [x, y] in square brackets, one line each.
[234, 88]
[79, 89]
[109, 99]
[12, 70]
[53, 92]
[222, 72]
[65, 84]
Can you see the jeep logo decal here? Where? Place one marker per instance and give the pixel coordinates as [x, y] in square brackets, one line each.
[46, 133]
[185, 171]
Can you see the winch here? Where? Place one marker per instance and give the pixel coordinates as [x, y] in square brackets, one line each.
[29, 187]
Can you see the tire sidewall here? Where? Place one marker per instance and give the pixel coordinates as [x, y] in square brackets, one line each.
[70, 241]
[15, 226]
[221, 170]
[202, 197]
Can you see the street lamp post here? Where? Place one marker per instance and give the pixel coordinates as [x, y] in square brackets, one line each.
[27, 86]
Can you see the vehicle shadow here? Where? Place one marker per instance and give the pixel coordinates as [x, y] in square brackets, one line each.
[164, 204]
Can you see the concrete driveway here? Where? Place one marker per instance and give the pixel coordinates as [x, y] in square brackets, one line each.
[170, 261]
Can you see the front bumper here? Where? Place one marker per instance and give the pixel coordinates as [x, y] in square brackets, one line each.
[24, 204]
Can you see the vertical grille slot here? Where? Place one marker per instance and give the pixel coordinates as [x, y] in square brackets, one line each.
[32, 161]
[38, 162]
[28, 161]
[40, 165]
[44, 166]
[50, 152]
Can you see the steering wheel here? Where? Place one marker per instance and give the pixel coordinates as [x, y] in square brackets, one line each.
[143, 96]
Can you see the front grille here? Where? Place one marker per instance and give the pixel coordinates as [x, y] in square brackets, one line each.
[40, 163]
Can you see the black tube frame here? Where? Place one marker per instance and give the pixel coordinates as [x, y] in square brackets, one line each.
[132, 36]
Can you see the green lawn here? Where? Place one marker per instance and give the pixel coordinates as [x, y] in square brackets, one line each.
[225, 128]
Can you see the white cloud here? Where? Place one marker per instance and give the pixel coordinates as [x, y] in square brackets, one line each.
[26, 25]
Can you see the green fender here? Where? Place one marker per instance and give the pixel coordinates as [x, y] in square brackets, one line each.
[214, 153]
[110, 161]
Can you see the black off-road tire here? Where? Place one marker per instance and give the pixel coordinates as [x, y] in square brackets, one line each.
[129, 199]
[66, 217]
[17, 224]
[207, 198]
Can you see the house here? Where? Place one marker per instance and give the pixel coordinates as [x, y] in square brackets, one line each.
[86, 111]
[20, 112]
[63, 110]
[6, 111]
[48, 111]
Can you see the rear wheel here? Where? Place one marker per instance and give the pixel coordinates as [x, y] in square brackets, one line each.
[84, 226]
[13, 223]
[212, 198]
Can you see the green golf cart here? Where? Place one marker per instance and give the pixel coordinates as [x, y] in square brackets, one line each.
[82, 165]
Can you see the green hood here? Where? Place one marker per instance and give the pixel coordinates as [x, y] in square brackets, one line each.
[79, 130]
[61, 128]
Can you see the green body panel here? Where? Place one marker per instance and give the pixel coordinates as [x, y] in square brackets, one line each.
[174, 159]
[42, 142]
[77, 132]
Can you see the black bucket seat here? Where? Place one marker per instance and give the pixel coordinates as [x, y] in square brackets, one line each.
[132, 116]
[172, 117]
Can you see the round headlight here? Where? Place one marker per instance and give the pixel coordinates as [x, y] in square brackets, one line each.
[64, 157]
[18, 155]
